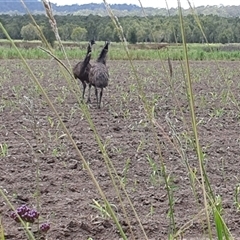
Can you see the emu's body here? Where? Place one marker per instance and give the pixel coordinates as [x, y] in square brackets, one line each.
[98, 74]
[82, 69]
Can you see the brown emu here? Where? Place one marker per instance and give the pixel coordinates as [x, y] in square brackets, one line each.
[98, 74]
[81, 70]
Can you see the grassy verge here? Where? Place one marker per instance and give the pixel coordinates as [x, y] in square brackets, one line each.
[195, 52]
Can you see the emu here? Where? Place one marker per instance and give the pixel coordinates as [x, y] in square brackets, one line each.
[98, 74]
[81, 70]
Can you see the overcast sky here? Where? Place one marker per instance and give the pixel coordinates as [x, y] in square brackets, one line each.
[153, 3]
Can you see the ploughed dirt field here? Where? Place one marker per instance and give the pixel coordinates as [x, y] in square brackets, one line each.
[36, 154]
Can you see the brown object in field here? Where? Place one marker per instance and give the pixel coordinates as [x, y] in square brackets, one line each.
[98, 75]
[81, 70]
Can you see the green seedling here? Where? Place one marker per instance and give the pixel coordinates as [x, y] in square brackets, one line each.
[60, 99]
[62, 96]
[236, 197]
[140, 145]
[125, 171]
[132, 88]
[64, 91]
[155, 174]
[126, 114]
[51, 121]
[17, 90]
[217, 113]
[2, 106]
[151, 212]
[72, 112]
[37, 90]
[55, 152]
[125, 96]
[202, 103]
[214, 95]
[102, 209]
[117, 150]
[4, 150]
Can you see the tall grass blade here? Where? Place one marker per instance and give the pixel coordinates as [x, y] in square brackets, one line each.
[2, 237]
[218, 223]
[221, 228]
[193, 118]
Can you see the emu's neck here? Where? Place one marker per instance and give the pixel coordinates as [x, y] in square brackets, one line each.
[87, 58]
[85, 63]
[103, 56]
[89, 48]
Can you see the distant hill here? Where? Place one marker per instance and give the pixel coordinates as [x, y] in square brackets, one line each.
[13, 7]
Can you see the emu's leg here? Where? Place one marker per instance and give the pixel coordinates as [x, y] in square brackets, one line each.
[84, 87]
[96, 93]
[101, 93]
[89, 93]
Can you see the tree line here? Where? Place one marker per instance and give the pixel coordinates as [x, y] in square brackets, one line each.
[14, 7]
[136, 29]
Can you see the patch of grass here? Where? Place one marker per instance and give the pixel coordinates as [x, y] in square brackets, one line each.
[118, 53]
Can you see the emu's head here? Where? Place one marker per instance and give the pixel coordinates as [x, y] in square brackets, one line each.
[106, 45]
[92, 41]
[89, 48]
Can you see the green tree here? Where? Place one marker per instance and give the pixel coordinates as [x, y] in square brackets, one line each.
[65, 31]
[142, 35]
[49, 34]
[158, 36]
[196, 35]
[132, 36]
[79, 34]
[216, 28]
[29, 32]
[13, 30]
[116, 37]
[236, 30]
[93, 24]
[108, 33]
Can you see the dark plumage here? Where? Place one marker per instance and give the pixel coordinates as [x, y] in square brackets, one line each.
[98, 74]
[81, 70]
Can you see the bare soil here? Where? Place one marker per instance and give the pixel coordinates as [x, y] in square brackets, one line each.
[37, 145]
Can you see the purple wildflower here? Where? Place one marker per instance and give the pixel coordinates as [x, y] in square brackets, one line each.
[45, 227]
[26, 214]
